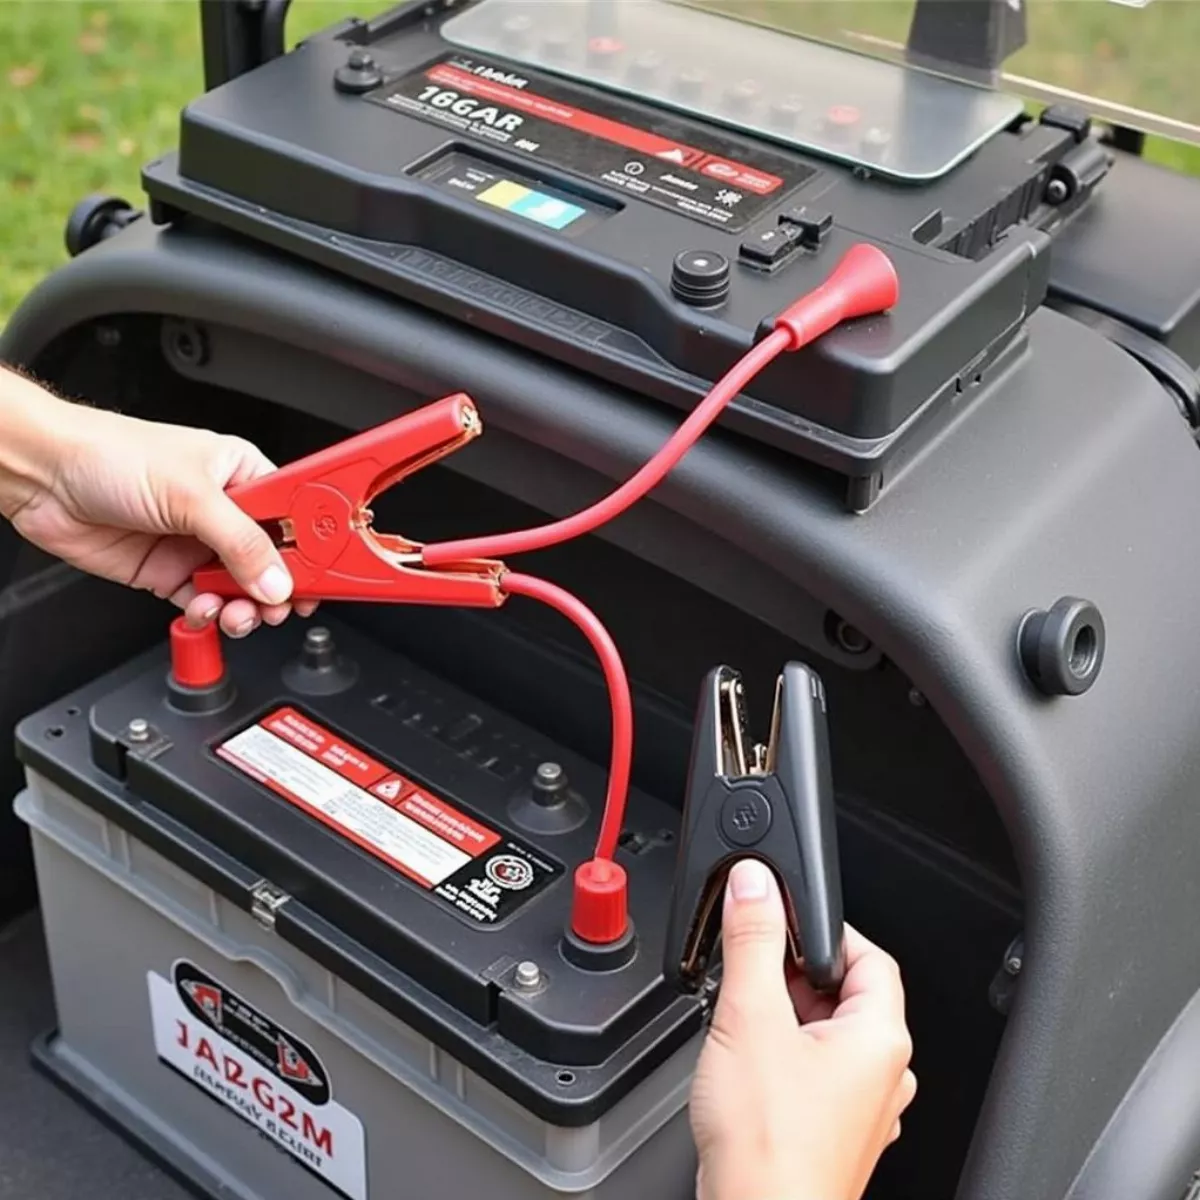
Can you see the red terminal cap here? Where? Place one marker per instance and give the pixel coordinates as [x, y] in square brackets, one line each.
[196, 657]
[842, 114]
[605, 45]
[862, 284]
[600, 913]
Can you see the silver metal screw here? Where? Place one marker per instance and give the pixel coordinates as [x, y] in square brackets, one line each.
[139, 730]
[318, 649]
[317, 638]
[550, 785]
[549, 774]
[528, 976]
[1056, 191]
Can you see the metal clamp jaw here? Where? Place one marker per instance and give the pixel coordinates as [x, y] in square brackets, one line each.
[772, 802]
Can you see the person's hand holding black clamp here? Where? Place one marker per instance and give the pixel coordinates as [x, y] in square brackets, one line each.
[797, 1095]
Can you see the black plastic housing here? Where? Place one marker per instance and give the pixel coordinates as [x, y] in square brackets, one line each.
[445, 974]
[978, 815]
[344, 179]
[1134, 254]
[988, 807]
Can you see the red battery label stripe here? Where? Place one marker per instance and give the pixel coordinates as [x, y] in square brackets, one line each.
[735, 173]
[380, 782]
[318, 814]
[320, 744]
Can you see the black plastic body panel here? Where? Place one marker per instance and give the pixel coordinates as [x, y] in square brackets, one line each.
[283, 156]
[1149, 1149]
[45, 650]
[1070, 474]
[1134, 254]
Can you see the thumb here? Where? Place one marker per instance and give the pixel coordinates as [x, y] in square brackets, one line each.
[754, 939]
[244, 547]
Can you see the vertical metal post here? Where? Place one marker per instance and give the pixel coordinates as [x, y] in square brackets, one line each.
[239, 35]
[974, 37]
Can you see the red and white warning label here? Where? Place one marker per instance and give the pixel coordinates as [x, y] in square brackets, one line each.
[479, 871]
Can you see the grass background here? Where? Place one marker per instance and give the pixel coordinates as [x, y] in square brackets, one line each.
[90, 89]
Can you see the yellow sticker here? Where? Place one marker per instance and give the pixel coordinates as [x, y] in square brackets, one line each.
[504, 194]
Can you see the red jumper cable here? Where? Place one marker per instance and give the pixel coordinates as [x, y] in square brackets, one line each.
[318, 510]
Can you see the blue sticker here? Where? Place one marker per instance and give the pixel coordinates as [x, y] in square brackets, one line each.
[546, 210]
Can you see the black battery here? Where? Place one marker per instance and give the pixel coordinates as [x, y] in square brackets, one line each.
[411, 843]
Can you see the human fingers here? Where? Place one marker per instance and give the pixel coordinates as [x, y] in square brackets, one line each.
[246, 463]
[905, 1095]
[872, 986]
[753, 941]
[810, 1005]
[240, 617]
[241, 544]
[237, 618]
[275, 614]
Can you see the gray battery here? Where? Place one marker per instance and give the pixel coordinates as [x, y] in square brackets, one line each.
[155, 974]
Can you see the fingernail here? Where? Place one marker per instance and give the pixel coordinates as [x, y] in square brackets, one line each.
[749, 880]
[273, 585]
[242, 629]
[209, 614]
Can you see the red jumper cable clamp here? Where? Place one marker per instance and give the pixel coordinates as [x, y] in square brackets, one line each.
[317, 509]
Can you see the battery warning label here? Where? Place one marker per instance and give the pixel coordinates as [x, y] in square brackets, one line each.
[267, 1076]
[668, 162]
[482, 874]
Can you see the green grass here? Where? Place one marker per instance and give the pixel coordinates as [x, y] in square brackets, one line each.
[90, 90]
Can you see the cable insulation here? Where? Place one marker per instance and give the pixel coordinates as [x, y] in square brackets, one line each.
[620, 701]
[673, 450]
[633, 489]
[864, 282]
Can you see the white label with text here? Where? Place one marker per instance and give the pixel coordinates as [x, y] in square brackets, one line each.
[326, 1138]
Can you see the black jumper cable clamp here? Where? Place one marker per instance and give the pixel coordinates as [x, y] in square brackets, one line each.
[772, 802]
